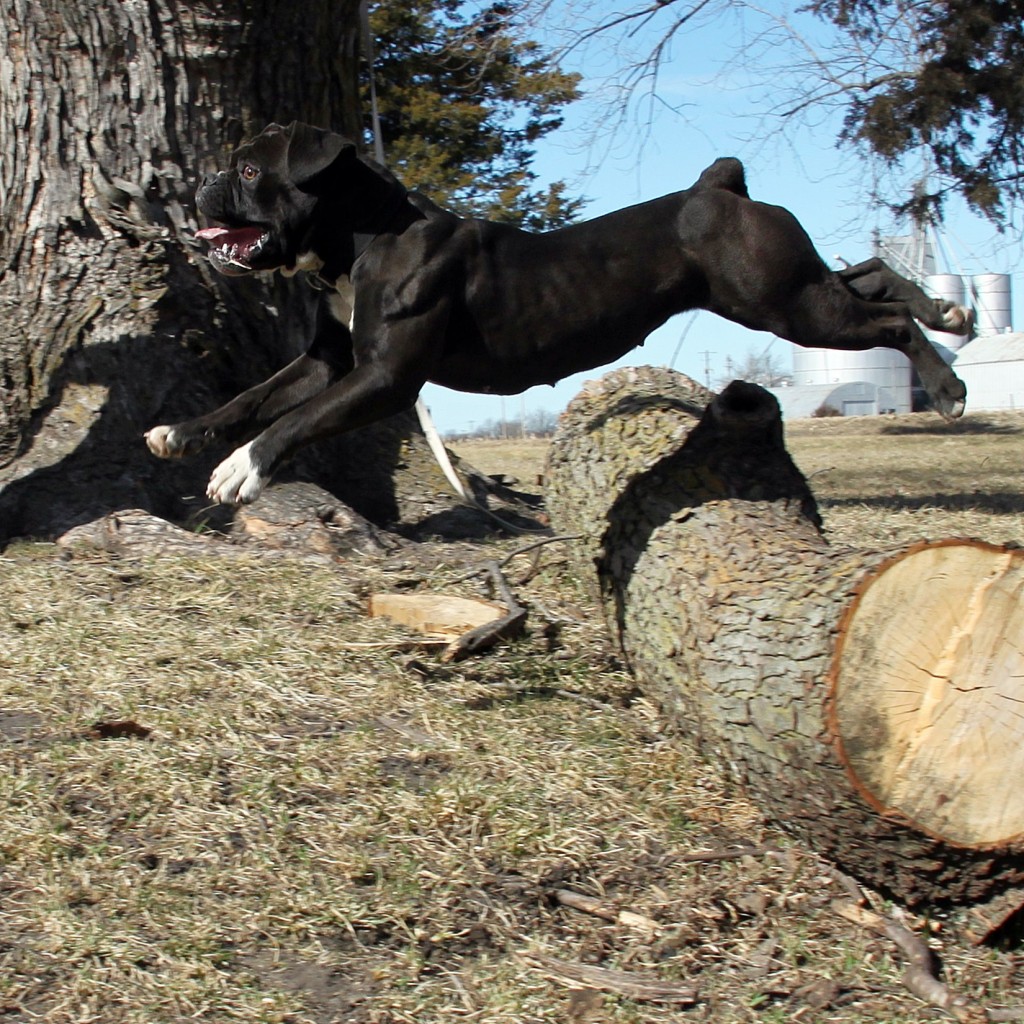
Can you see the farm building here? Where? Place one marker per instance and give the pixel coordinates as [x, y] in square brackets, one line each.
[851, 383]
[854, 398]
[992, 367]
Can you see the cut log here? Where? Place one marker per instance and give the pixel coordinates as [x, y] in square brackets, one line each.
[928, 690]
[445, 616]
[872, 701]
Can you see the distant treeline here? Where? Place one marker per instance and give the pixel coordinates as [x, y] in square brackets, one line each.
[538, 423]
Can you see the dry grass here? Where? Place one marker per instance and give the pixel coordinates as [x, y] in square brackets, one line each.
[882, 479]
[324, 823]
[518, 459]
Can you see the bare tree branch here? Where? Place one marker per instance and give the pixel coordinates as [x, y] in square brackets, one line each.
[884, 74]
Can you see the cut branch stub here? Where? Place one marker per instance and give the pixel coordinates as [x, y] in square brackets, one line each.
[870, 700]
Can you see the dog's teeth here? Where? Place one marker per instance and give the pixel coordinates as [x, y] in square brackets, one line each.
[211, 234]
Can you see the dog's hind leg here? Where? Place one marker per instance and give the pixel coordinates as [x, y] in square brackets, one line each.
[876, 281]
[826, 317]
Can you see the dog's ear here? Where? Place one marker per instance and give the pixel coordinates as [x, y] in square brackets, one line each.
[316, 157]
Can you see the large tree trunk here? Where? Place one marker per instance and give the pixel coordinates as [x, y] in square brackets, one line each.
[870, 700]
[112, 319]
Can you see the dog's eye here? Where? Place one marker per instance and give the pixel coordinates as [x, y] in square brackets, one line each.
[249, 172]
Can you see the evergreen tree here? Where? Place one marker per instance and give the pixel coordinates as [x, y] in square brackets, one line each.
[462, 100]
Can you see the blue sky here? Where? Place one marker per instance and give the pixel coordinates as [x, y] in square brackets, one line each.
[719, 110]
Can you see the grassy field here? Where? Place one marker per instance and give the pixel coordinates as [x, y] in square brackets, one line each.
[229, 795]
[877, 479]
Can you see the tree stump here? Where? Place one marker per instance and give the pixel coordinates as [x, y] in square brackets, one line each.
[872, 701]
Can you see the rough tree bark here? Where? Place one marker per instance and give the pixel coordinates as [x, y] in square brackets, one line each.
[112, 319]
[870, 700]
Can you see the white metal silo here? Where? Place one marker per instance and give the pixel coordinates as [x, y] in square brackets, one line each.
[991, 303]
[946, 286]
[952, 288]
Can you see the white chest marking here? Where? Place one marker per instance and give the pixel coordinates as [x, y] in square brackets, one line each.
[308, 261]
[342, 302]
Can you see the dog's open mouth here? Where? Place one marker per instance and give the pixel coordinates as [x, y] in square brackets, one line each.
[233, 247]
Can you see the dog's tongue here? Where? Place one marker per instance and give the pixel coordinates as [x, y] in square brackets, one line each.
[240, 237]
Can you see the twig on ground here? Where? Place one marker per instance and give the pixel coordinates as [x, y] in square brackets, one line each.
[632, 986]
[590, 905]
[853, 890]
[582, 698]
[919, 978]
[485, 636]
[419, 737]
[723, 853]
[393, 645]
[536, 544]
[486, 568]
[553, 618]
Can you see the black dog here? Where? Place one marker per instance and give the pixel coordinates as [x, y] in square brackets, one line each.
[416, 293]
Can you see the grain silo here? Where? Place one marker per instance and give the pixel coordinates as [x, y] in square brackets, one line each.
[883, 373]
[991, 294]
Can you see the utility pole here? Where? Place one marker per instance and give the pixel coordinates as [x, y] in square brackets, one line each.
[707, 368]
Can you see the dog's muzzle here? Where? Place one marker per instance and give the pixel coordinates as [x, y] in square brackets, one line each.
[232, 250]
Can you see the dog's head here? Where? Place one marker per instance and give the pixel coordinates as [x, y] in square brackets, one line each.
[262, 208]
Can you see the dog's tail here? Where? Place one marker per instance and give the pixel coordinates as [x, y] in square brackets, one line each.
[726, 173]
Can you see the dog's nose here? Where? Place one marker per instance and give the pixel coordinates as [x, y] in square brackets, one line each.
[207, 180]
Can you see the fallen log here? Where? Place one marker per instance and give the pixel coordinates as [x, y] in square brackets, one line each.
[872, 701]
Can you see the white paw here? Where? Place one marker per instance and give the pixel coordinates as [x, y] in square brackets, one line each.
[236, 481]
[162, 442]
[958, 319]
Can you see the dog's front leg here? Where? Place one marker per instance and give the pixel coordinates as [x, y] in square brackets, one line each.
[393, 358]
[295, 383]
[364, 396]
[328, 358]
